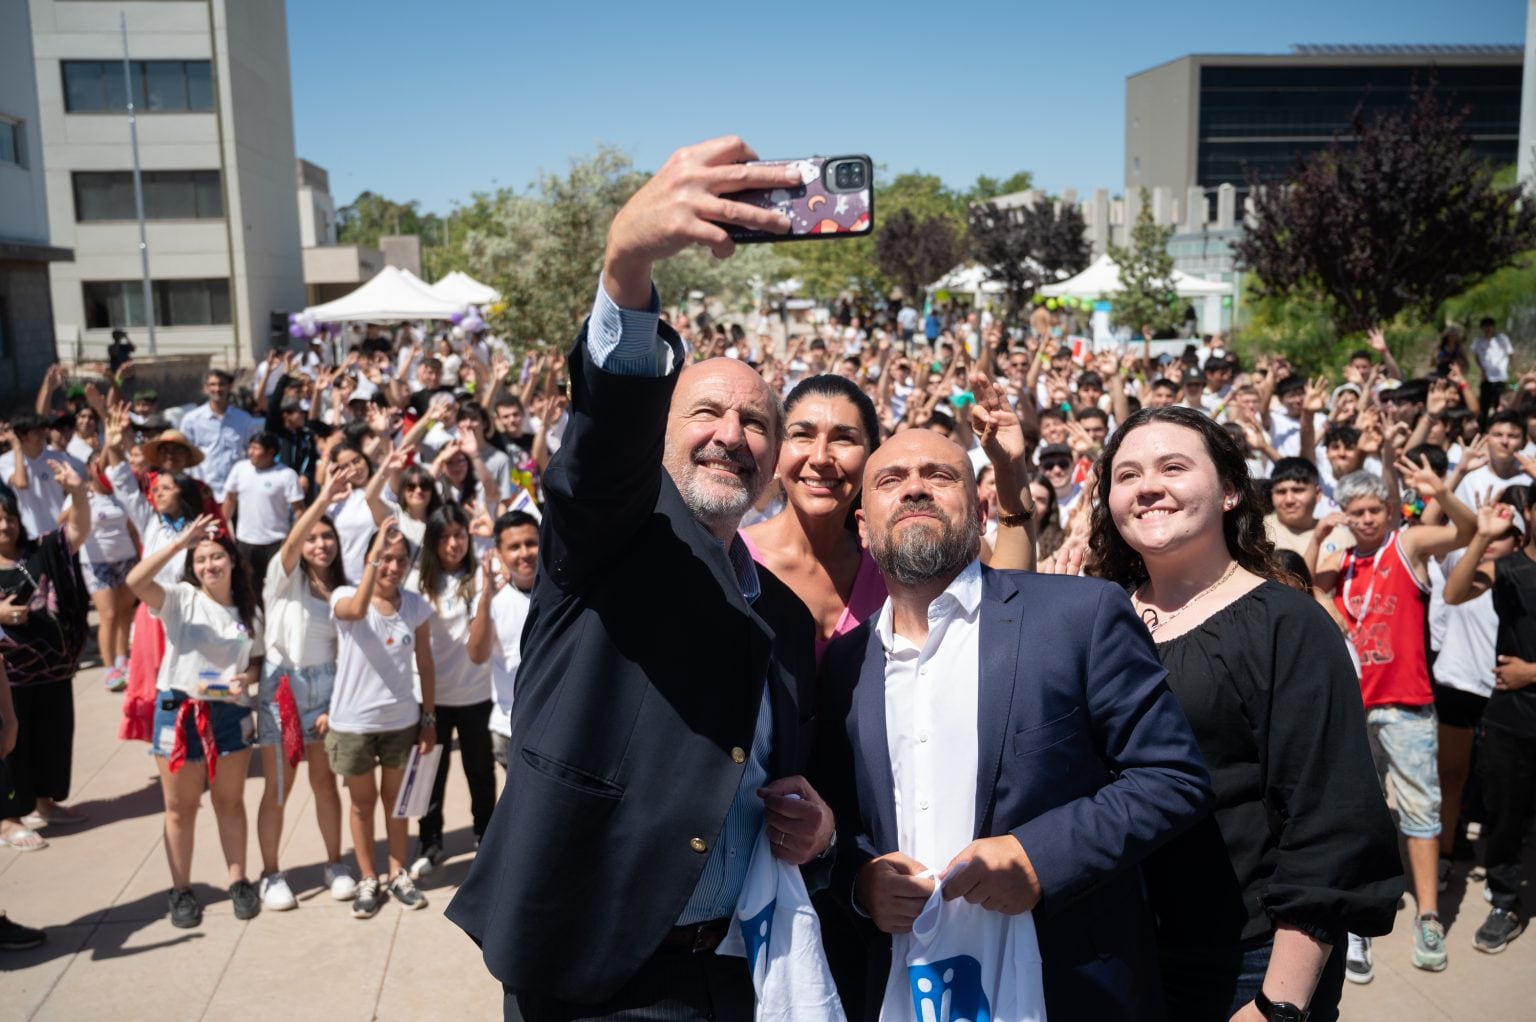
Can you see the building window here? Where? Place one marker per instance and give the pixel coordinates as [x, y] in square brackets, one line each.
[120, 303]
[10, 141]
[159, 86]
[168, 195]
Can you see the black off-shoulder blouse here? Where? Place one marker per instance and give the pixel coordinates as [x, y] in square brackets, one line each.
[1300, 833]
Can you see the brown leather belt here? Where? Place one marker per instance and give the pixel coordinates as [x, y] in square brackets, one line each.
[698, 937]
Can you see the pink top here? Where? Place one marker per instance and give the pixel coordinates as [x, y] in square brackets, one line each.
[867, 598]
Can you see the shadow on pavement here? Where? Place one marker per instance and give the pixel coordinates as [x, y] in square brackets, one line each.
[110, 940]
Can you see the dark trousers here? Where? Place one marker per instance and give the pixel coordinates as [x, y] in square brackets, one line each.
[674, 985]
[258, 556]
[1508, 770]
[39, 766]
[1210, 984]
[473, 725]
[1488, 396]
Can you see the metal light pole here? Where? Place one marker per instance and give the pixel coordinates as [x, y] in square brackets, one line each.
[138, 191]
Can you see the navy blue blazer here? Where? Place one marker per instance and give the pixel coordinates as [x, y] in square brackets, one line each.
[1083, 755]
[643, 669]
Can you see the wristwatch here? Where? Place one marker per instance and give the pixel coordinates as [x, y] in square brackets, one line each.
[429, 720]
[1279, 1011]
[1013, 521]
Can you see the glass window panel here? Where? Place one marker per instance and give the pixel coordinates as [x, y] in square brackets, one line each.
[199, 85]
[185, 302]
[218, 301]
[166, 85]
[114, 88]
[175, 198]
[82, 85]
[10, 144]
[113, 303]
[210, 195]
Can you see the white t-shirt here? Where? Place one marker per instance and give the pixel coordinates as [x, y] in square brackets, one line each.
[375, 667]
[43, 498]
[1476, 482]
[509, 612]
[354, 528]
[300, 632]
[1466, 634]
[109, 541]
[263, 501]
[206, 645]
[460, 681]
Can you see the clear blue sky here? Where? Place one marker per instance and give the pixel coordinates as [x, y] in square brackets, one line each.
[433, 101]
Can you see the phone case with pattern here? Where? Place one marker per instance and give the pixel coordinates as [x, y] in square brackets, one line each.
[815, 210]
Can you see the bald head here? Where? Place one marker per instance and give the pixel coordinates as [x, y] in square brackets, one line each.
[920, 518]
[722, 440]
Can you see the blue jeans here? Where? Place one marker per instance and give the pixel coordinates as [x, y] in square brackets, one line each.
[1203, 983]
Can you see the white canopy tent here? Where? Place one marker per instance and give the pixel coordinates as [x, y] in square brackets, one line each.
[1102, 278]
[389, 297]
[969, 279]
[466, 290]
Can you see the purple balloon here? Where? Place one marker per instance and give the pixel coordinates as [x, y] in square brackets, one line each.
[293, 317]
[295, 331]
[456, 318]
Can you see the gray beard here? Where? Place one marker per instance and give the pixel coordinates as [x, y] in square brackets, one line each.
[920, 556]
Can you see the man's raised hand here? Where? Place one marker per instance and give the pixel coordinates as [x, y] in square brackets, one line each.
[682, 206]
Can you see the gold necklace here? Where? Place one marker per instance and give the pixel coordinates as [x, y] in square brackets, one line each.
[1155, 623]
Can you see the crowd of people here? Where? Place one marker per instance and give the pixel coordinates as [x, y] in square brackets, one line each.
[715, 567]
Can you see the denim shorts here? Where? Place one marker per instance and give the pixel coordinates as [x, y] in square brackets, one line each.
[1404, 744]
[311, 688]
[100, 578]
[233, 727]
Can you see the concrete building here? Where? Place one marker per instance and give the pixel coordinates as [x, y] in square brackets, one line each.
[210, 83]
[26, 313]
[1208, 119]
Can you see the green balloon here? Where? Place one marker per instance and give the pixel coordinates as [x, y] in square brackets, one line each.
[1050, 303]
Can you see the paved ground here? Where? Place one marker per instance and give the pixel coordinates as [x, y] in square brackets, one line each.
[100, 892]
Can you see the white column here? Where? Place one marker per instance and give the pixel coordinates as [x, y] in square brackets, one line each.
[1526, 156]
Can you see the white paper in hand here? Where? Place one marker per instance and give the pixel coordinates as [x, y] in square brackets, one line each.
[416, 788]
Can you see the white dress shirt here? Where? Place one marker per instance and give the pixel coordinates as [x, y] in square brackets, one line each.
[930, 722]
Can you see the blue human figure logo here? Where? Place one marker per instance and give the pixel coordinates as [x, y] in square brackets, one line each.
[949, 991]
[755, 931]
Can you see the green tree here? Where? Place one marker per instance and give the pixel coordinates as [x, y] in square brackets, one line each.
[987, 188]
[1146, 295]
[370, 215]
[1395, 221]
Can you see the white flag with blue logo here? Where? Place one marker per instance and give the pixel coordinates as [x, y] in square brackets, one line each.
[779, 935]
[963, 963]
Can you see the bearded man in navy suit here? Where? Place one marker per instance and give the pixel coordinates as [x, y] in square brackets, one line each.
[1012, 730]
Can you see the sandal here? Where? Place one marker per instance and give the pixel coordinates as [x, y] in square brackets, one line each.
[23, 840]
[60, 816]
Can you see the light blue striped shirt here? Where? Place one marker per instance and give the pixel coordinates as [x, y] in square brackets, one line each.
[626, 342]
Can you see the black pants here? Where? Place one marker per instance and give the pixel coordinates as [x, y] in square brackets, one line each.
[473, 724]
[1508, 771]
[39, 766]
[258, 556]
[674, 985]
[1488, 396]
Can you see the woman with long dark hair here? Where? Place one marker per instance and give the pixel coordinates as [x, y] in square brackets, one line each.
[175, 499]
[42, 630]
[448, 578]
[202, 728]
[1253, 904]
[295, 697]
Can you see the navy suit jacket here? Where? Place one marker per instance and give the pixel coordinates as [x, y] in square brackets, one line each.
[642, 674]
[1083, 755]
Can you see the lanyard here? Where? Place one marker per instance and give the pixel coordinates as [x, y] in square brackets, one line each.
[1349, 578]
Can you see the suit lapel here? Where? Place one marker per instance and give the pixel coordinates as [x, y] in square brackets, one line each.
[1001, 609]
[878, 787]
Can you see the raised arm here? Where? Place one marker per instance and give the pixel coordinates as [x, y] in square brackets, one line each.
[388, 473]
[1435, 540]
[481, 627]
[1002, 439]
[142, 578]
[1471, 578]
[355, 606]
[293, 544]
[78, 526]
[1378, 342]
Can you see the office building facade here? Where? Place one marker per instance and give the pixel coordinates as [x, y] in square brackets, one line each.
[210, 86]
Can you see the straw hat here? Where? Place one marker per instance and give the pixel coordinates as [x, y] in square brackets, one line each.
[171, 436]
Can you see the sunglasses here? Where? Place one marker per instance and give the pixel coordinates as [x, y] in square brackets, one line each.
[1054, 463]
[416, 486]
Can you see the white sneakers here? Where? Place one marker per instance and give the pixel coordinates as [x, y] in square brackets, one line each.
[341, 882]
[276, 896]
